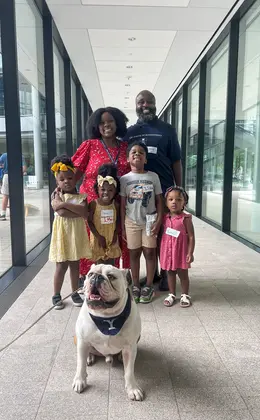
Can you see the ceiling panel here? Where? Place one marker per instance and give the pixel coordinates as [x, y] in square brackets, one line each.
[223, 4]
[125, 38]
[62, 2]
[121, 77]
[123, 66]
[131, 54]
[145, 18]
[158, 3]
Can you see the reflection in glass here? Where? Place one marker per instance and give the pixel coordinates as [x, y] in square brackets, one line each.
[178, 118]
[214, 140]
[74, 115]
[5, 234]
[192, 141]
[245, 219]
[33, 122]
[169, 114]
[82, 119]
[59, 95]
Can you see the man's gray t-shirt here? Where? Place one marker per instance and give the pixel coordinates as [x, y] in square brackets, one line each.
[140, 191]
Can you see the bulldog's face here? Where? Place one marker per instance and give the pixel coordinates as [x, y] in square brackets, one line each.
[105, 288]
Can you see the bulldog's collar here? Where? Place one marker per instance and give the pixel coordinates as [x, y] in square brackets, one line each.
[113, 325]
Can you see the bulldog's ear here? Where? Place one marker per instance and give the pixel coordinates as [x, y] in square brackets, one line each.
[93, 265]
[127, 276]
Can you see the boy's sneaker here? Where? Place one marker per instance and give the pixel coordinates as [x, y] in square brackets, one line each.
[146, 294]
[76, 299]
[2, 217]
[57, 302]
[136, 294]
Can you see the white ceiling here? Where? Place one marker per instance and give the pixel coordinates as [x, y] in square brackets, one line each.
[121, 47]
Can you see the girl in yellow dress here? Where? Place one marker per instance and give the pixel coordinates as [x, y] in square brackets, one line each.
[103, 219]
[69, 241]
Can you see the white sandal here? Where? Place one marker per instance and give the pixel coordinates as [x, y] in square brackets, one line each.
[185, 301]
[169, 300]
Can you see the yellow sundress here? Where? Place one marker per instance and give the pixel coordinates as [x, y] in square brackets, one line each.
[69, 240]
[104, 220]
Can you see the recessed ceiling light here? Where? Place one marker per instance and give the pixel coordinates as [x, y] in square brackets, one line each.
[129, 67]
[132, 38]
[127, 85]
[126, 97]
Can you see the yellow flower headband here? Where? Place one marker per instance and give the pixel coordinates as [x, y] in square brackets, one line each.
[59, 166]
[109, 179]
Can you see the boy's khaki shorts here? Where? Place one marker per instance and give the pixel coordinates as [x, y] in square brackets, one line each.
[136, 236]
[5, 185]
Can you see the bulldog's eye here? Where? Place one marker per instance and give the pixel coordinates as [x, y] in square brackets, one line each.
[111, 277]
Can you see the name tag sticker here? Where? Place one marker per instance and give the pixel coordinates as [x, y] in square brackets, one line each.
[147, 188]
[152, 149]
[172, 232]
[107, 217]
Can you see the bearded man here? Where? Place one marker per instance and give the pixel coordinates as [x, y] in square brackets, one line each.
[164, 154]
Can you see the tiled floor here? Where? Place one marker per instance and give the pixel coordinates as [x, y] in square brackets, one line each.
[201, 363]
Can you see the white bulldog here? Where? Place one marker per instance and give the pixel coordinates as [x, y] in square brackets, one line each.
[108, 323]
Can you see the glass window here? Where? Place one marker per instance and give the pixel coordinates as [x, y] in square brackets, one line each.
[192, 141]
[246, 164]
[74, 115]
[59, 93]
[33, 122]
[214, 140]
[5, 234]
[178, 118]
[83, 118]
[169, 114]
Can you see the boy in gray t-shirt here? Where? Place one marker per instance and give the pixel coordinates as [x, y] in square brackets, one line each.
[141, 195]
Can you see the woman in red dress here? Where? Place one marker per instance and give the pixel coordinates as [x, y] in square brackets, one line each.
[105, 127]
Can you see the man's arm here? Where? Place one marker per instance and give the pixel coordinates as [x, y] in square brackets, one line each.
[177, 172]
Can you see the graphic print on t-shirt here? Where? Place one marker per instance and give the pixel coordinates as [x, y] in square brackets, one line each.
[140, 192]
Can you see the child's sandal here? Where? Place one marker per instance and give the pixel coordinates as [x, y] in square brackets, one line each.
[185, 301]
[169, 300]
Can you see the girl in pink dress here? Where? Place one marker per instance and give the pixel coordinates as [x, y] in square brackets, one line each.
[177, 245]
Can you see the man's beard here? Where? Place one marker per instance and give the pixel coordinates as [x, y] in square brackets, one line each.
[146, 117]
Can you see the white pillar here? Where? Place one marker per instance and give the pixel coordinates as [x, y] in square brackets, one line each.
[37, 142]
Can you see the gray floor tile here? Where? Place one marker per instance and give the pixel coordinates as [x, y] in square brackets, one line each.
[211, 398]
[217, 415]
[93, 401]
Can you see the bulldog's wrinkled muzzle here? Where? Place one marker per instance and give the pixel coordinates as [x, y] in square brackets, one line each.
[96, 280]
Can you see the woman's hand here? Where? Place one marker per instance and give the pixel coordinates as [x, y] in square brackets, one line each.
[190, 258]
[114, 238]
[102, 242]
[124, 235]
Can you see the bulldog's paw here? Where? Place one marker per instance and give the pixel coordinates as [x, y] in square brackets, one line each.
[135, 393]
[91, 359]
[109, 359]
[79, 384]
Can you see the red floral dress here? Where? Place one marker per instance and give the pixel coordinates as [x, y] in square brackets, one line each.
[90, 155]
